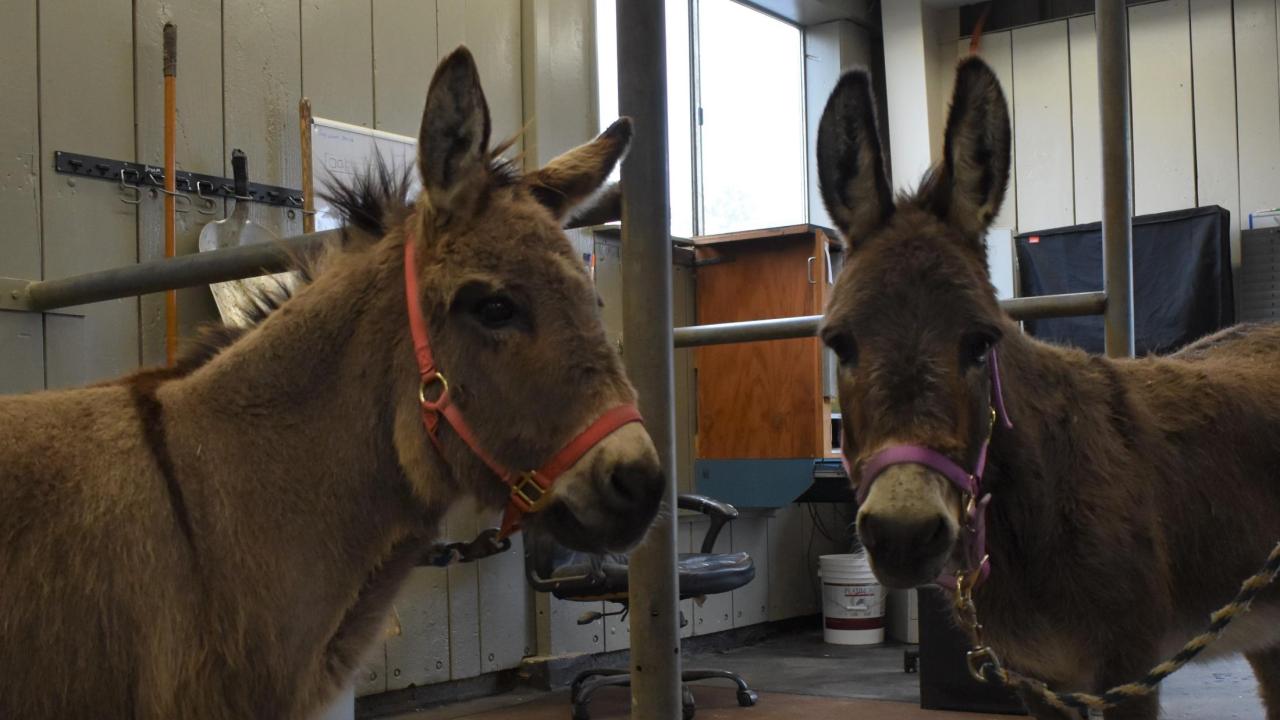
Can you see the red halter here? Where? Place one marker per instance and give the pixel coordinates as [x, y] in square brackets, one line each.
[529, 489]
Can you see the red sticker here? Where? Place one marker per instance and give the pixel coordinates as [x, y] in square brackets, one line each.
[1034, 239]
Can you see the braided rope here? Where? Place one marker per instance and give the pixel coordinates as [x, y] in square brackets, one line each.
[992, 672]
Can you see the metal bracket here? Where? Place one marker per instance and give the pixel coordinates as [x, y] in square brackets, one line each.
[137, 176]
[13, 294]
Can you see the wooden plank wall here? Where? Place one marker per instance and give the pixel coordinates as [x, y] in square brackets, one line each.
[1086, 136]
[1042, 105]
[1257, 99]
[87, 107]
[1163, 138]
[1205, 86]
[1213, 74]
[21, 335]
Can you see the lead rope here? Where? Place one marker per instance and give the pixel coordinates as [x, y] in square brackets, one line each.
[985, 665]
[488, 543]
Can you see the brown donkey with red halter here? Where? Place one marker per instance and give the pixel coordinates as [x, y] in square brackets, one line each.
[1098, 510]
[224, 539]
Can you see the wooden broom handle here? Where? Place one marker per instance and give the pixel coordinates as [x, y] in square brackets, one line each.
[170, 181]
[308, 188]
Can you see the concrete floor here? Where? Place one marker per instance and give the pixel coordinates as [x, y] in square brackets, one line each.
[799, 676]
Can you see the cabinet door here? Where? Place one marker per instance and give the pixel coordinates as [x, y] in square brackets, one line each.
[763, 399]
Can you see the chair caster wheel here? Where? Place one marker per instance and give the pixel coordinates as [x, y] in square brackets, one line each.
[747, 698]
[910, 661]
[687, 706]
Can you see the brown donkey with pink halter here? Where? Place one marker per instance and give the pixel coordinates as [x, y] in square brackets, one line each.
[224, 539]
[1097, 510]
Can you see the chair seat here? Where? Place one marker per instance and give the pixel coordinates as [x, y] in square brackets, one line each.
[710, 574]
[699, 574]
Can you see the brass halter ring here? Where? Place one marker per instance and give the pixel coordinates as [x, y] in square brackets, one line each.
[437, 378]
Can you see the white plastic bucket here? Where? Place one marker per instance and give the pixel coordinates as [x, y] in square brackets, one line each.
[852, 601]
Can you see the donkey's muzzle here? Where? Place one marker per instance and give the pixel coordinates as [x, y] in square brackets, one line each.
[629, 495]
[905, 526]
[608, 510]
[634, 486]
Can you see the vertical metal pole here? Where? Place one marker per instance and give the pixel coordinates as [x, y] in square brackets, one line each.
[647, 348]
[1117, 174]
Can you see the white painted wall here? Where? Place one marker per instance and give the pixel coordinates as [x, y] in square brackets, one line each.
[830, 49]
[906, 65]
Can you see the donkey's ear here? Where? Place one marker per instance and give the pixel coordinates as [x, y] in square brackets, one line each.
[975, 163]
[603, 207]
[453, 144]
[851, 170]
[576, 175]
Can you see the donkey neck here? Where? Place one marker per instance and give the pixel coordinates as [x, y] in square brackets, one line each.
[1062, 403]
[286, 447]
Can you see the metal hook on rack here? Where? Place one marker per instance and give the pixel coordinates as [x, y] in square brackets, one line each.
[205, 200]
[182, 202]
[126, 186]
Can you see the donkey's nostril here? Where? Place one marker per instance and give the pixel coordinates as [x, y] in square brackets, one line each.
[914, 536]
[634, 483]
[622, 484]
[934, 535]
[869, 531]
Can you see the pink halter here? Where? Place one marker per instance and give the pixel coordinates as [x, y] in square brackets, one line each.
[969, 483]
[530, 489]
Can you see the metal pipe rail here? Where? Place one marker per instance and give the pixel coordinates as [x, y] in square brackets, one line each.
[167, 274]
[1028, 308]
[252, 260]
[647, 325]
[1112, 18]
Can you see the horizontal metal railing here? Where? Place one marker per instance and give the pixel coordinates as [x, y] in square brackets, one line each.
[251, 260]
[1028, 308]
[167, 274]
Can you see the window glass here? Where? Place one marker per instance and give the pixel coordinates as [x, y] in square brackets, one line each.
[679, 115]
[752, 122]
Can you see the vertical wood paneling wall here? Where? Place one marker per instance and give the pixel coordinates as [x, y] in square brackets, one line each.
[1205, 88]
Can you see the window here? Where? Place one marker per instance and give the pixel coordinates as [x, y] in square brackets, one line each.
[750, 140]
[751, 88]
[679, 117]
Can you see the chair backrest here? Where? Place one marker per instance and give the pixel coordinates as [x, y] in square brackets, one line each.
[554, 568]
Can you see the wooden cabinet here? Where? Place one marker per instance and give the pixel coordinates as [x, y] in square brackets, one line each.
[763, 399]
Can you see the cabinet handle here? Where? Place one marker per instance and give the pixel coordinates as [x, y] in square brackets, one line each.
[808, 271]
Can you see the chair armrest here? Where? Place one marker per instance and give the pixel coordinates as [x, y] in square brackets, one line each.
[719, 513]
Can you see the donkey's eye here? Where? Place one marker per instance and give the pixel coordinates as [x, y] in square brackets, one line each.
[975, 348]
[495, 311]
[844, 346]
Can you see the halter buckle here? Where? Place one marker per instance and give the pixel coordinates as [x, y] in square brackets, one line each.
[527, 493]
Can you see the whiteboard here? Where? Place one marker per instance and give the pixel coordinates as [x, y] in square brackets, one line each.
[339, 151]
